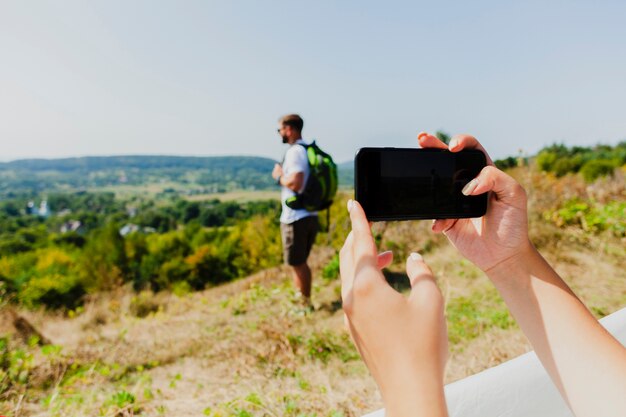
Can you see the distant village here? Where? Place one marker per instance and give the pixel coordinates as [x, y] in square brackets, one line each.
[43, 210]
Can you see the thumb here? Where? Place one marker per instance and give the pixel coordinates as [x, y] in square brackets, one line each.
[503, 186]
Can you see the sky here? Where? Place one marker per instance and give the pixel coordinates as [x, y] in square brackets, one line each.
[212, 77]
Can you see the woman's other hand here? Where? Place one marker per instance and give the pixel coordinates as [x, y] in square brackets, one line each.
[403, 340]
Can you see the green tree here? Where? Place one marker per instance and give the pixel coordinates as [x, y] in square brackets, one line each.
[592, 170]
[443, 136]
[104, 262]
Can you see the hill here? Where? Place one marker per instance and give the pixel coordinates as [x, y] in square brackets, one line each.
[346, 174]
[191, 314]
[210, 174]
[185, 174]
[244, 348]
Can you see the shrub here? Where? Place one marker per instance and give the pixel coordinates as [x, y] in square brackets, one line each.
[443, 136]
[563, 166]
[506, 163]
[546, 160]
[144, 304]
[53, 290]
[591, 162]
[591, 216]
[594, 169]
[15, 367]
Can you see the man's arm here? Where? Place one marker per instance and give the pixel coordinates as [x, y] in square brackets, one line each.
[291, 173]
[293, 181]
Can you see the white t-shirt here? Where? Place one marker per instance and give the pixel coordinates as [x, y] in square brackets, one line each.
[295, 161]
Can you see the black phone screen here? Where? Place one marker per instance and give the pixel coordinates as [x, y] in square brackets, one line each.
[404, 184]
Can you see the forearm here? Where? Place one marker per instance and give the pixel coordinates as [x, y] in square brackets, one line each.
[415, 394]
[292, 181]
[585, 362]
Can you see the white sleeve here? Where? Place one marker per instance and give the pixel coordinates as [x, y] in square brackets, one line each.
[295, 160]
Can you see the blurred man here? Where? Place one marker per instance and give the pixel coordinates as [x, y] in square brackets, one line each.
[298, 226]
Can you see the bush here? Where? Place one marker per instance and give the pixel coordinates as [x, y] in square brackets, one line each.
[15, 367]
[506, 163]
[546, 160]
[563, 166]
[591, 216]
[53, 290]
[592, 170]
[591, 162]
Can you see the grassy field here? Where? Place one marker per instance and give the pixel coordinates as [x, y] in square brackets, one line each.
[152, 190]
[244, 349]
[240, 196]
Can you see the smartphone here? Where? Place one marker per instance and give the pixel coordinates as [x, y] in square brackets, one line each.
[413, 183]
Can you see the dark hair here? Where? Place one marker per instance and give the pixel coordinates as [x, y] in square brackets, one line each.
[292, 120]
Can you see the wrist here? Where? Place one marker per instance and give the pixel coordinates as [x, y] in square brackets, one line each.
[418, 393]
[510, 267]
[416, 402]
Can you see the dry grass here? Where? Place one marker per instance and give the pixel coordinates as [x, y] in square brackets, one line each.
[244, 349]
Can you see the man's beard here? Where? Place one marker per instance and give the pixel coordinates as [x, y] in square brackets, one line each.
[285, 139]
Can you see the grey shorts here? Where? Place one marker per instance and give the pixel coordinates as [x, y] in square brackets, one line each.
[298, 238]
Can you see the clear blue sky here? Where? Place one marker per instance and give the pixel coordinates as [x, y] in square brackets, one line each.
[212, 77]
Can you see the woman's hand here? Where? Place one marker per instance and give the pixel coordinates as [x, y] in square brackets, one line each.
[403, 340]
[585, 362]
[500, 235]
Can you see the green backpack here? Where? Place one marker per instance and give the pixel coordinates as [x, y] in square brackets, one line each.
[321, 186]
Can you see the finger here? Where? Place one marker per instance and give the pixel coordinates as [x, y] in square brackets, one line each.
[346, 266]
[443, 225]
[367, 276]
[505, 188]
[346, 252]
[460, 142]
[363, 240]
[423, 286]
[417, 269]
[426, 140]
[385, 259]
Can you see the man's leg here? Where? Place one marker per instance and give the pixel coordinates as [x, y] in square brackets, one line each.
[298, 239]
[302, 279]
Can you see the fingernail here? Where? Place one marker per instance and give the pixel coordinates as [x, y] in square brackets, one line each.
[453, 143]
[422, 134]
[385, 252]
[350, 204]
[416, 256]
[470, 187]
